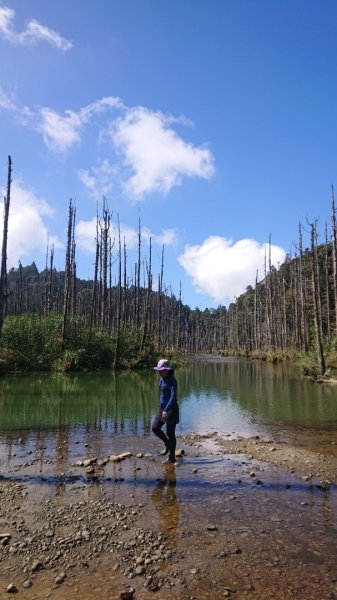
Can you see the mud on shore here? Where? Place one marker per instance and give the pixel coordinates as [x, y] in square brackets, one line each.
[234, 518]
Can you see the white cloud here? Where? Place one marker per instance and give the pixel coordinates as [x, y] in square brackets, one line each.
[27, 231]
[148, 153]
[100, 106]
[157, 157]
[6, 101]
[34, 32]
[60, 133]
[86, 234]
[223, 269]
[99, 181]
[168, 237]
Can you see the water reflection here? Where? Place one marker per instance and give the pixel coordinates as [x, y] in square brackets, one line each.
[224, 395]
[166, 503]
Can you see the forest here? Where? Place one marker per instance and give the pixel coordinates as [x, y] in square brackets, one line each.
[128, 315]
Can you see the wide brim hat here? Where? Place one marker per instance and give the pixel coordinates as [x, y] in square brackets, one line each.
[163, 365]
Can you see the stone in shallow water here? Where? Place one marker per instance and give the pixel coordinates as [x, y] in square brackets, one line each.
[60, 578]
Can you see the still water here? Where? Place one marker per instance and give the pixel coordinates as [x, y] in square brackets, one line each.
[49, 423]
[230, 396]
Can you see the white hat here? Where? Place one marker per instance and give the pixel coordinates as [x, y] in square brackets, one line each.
[163, 365]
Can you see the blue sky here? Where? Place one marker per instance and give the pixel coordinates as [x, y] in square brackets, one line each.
[213, 122]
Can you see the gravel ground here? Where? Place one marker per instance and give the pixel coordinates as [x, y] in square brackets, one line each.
[234, 518]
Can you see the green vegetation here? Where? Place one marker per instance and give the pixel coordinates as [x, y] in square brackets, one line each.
[54, 320]
[33, 342]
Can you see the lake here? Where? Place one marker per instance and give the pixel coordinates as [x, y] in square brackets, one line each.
[230, 396]
[270, 522]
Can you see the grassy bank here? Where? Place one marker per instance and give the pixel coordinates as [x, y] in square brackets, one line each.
[33, 342]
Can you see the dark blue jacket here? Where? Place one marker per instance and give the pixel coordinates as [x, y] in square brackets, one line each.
[168, 393]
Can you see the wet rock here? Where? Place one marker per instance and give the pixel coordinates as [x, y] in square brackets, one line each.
[89, 461]
[49, 533]
[37, 565]
[12, 589]
[27, 584]
[152, 584]
[60, 578]
[90, 470]
[212, 527]
[128, 595]
[125, 455]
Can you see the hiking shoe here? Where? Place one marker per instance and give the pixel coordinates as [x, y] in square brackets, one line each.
[169, 460]
[163, 452]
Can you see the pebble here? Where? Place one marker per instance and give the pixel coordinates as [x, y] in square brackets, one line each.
[36, 566]
[60, 578]
[212, 527]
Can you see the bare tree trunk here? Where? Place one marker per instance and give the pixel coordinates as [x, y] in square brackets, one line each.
[49, 281]
[124, 310]
[119, 297]
[327, 287]
[160, 300]
[179, 318]
[334, 257]
[105, 229]
[267, 304]
[3, 272]
[137, 278]
[68, 270]
[257, 341]
[94, 296]
[304, 319]
[315, 293]
[148, 300]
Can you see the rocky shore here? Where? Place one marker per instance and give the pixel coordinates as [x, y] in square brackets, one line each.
[234, 518]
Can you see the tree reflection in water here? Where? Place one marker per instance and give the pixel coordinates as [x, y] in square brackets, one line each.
[165, 501]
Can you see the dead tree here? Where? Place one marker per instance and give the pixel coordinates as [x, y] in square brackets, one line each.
[119, 297]
[334, 256]
[302, 289]
[3, 272]
[147, 310]
[105, 253]
[69, 269]
[315, 294]
[327, 287]
[94, 296]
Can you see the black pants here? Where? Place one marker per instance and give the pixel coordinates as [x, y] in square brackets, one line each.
[170, 438]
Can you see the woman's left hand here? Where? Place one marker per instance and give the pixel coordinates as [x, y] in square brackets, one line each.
[164, 415]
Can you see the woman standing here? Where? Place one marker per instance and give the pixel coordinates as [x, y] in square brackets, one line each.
[168, 412]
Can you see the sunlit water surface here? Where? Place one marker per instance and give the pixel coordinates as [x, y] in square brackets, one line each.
[49, 422]
[232, 397]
